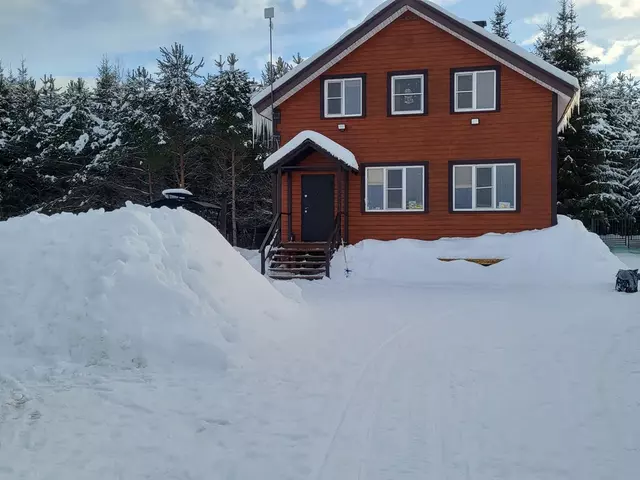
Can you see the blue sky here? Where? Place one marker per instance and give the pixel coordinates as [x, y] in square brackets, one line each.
[67, 38]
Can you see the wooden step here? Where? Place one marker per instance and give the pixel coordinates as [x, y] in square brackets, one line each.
[289, 276]
[304, 245]
[297, 258]
[298, 270]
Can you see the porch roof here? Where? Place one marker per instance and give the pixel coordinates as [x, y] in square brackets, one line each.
[295, 148]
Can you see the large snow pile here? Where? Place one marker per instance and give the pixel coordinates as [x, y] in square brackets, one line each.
[562, 255]
[138, 287]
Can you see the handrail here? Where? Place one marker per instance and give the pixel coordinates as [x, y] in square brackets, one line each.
[333, 242]
[272, 239]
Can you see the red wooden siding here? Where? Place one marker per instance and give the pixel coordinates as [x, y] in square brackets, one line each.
[522, 130]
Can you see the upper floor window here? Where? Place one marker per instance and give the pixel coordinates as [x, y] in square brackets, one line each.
[407, 92]
[343, 97]
[476, 90]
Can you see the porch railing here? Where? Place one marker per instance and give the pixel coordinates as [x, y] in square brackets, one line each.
[271, 240]
[333, 243]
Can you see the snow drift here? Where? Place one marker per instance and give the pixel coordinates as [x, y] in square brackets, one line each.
[562, 255]
[137, 287]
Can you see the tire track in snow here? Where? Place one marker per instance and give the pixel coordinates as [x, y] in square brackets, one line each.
[349, 403]
[375, 404]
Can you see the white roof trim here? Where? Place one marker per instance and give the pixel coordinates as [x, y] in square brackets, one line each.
[517, 50]
[333, 148]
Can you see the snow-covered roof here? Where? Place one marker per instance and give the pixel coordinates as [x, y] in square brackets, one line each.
[262, 115]
[323, 143]
[176, 191]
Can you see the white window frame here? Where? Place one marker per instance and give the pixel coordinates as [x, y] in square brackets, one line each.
[404, 208]
[343, 97]
[474, 91]
[494, 186]
[394, 94]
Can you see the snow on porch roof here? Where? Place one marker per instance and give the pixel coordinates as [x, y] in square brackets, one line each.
[323, 143]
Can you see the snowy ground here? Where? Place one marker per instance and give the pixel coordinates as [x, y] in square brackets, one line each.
[426, 377]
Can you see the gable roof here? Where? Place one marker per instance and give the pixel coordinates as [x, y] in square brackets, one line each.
[297, 148]
[515, 57]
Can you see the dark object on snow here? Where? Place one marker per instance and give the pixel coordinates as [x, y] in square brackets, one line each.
[175, 199]
[627, 281]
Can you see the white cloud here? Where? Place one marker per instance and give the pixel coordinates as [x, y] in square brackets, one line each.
[62, 36]
[611, 55]
[299, 4]
[538, 19]
[531, 40]
[615, 8]
[634, 62]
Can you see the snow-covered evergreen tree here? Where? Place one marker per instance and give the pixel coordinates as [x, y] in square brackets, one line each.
[18, 175]
[106, 95]
[271, 73]
[632, 119]
[142, 151]
[610, 128]
[240, 175]
[499, 24]
[582, 185]
[177, 95]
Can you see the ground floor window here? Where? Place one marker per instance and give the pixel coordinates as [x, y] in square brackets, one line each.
[484, 187]
[395, 189]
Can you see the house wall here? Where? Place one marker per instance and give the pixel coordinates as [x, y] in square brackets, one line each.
[520, 130]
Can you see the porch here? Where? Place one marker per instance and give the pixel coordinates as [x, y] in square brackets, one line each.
[311, 215]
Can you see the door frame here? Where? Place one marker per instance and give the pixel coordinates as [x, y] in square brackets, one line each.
[333, 198]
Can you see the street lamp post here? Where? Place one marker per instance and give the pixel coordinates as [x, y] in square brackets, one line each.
[269, 13]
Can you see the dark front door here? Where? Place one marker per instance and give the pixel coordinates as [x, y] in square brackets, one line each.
[317, 207]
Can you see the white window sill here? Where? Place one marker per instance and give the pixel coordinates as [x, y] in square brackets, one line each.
[471, 210]
[412, 112]
[478, 110]
[344, 116]
[395, 211]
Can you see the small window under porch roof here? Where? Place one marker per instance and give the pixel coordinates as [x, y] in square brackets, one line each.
[300, 146]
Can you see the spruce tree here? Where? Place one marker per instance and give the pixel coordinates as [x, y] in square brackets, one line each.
[499, 24]
[106, 95]
[273, 72]
[240, 174]
[581, 180]
[142, 153]
[177, 104]
[297, 59]
[610, 129]
[19, 174]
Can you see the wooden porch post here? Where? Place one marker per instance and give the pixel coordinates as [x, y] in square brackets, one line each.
[289, 206]
[346, 206]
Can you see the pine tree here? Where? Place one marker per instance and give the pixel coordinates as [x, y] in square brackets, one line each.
[499, 24]
[142, 152]
[297, 59]
[177, 95]
[545, 45]
[239, 173]
[611, 129]
[632, 120]
[106, 95]
[273, 72]
[19, 176]
[69, 151]
[5, 120]
[582, 176]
